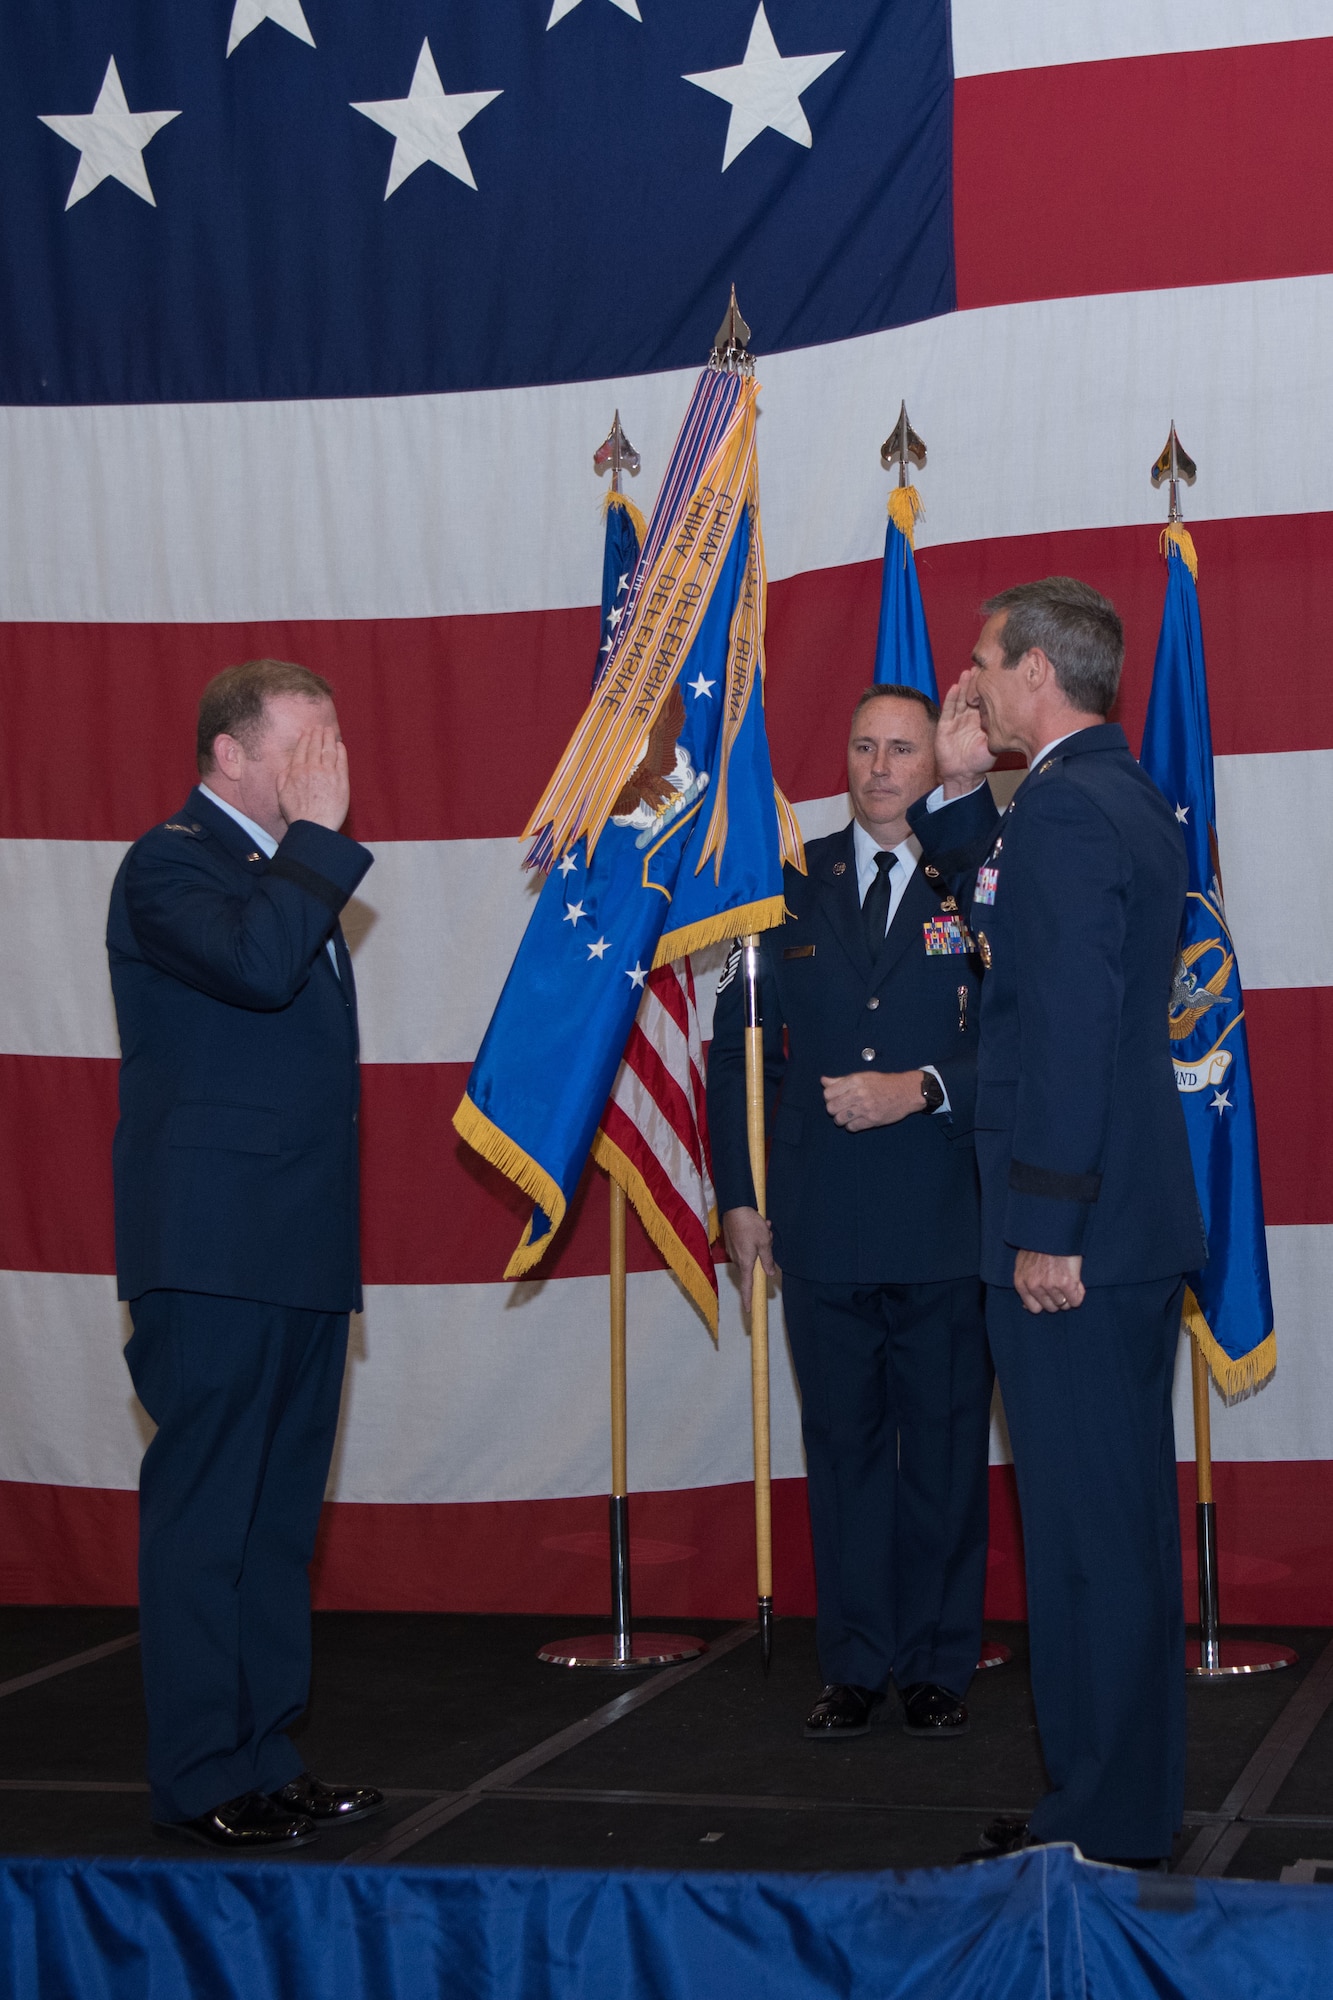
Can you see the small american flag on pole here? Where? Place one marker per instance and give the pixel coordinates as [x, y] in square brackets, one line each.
[653, 1137]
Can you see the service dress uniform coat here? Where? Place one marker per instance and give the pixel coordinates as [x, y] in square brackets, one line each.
[876, 1236]
[1074, 897]
[236, 1192]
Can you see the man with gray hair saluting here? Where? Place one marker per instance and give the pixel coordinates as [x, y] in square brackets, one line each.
[1089, 1217]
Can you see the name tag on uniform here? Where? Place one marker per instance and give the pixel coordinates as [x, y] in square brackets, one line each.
[799, 951]
[946, 938]
[988, 880]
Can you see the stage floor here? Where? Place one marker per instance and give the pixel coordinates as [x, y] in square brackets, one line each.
[490, 1757]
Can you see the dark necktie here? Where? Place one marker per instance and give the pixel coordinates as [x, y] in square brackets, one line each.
[875, 909]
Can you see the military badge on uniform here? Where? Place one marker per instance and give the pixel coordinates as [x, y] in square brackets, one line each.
[983, 948]
[988, 881]
[840, 867]
[946, 938]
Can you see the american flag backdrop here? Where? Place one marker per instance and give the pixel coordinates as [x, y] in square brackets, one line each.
[312, 313]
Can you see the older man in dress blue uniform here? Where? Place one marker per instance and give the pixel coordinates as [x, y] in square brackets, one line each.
[1089, 1214]
[237, 1243]
[870, 1026]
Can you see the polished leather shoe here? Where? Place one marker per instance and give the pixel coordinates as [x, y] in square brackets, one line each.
[250, 1824]
[842, 1710]
[1006, 1835]
[929, 1710]
[327, 1805]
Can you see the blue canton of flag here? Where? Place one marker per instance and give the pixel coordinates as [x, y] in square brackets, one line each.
[902, 653]
[1229, 1307]
[395, 200]
[663, 813]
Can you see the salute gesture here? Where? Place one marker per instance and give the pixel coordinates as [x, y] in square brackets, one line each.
[962, 754]
[315, 785]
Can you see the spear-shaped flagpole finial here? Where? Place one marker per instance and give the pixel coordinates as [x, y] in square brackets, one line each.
[616, 451]
[900, 445]
[1174, 464]
[731, 352]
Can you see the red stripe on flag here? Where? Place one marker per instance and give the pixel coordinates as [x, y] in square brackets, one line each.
[1136, 175]
[669, 1099]
[434, 1213]
[675, 1210]
[416, 696]
[692, 1549]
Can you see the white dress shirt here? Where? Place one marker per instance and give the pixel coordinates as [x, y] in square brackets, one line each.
[906, 855]
[266, 844]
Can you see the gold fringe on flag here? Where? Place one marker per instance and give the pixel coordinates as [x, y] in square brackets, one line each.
[623, 500]
[607, 1154]
[1175, 535]
[520, 1167]
[1234, 1378]
[905, 503]
[719, 929]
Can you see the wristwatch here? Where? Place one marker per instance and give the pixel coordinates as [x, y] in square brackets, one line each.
[932, 1090]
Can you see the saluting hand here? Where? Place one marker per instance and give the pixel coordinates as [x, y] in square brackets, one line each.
[1046, 1283]
[315, 785]
[962, 754]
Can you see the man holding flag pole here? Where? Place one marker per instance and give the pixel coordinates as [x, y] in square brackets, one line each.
[661, 830]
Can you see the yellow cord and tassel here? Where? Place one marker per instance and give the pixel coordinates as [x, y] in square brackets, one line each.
[904, 505]
[623, 500]
[1175, 535]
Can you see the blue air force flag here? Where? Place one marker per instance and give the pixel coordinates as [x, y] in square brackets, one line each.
[1229, 1306]
[902, 652]
[662, 827]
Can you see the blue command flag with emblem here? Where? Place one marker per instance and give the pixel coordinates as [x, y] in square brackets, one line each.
[1229, 1306]
[662, 827]
[902, 651]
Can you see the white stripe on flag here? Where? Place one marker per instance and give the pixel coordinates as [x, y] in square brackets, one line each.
[436, 927]
[399, 515]
[499, 1392]
[991, 35]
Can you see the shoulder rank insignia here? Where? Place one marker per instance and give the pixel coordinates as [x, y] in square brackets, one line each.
[1046, 766]
[179, 826]
[799, 951]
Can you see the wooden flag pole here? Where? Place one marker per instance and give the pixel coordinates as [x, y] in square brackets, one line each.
[1215, 1658]
[759, 1392]
[620, 1585]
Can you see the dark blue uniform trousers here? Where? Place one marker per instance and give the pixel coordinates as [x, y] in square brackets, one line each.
[895, 1413]
[245, 1397]
[1088, 1398]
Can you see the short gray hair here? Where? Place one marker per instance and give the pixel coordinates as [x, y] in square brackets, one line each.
[1077, 628]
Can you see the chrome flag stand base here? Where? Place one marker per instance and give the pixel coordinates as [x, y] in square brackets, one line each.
[1218, 1659]
[621, 1651]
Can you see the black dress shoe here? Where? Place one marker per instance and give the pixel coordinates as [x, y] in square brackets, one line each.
[327, 1805]
[251, 1824]
[1006, 1835]
[929, 1710]
[843, 1710]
